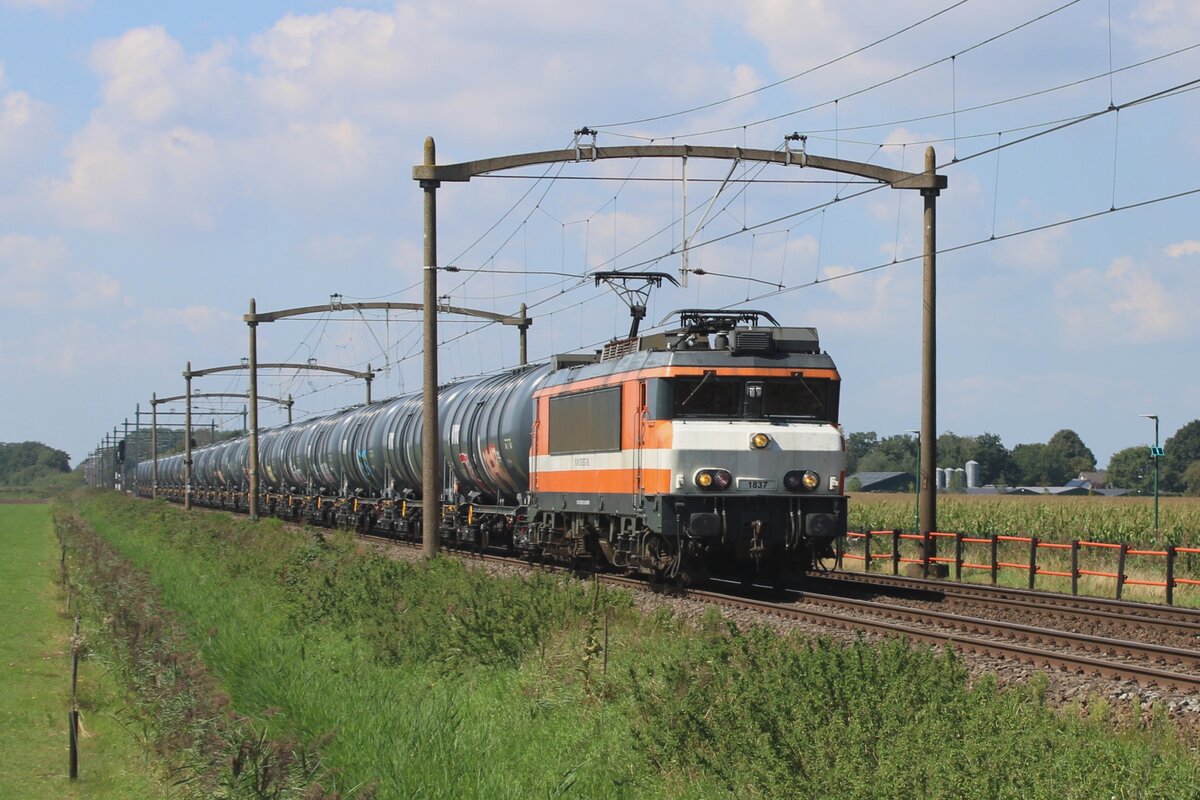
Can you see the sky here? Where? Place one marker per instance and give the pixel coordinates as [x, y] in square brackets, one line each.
[163, 163]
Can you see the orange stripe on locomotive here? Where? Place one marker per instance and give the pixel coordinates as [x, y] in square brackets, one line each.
[602, 481]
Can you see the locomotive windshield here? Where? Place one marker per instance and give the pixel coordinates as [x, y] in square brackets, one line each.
[711, 397]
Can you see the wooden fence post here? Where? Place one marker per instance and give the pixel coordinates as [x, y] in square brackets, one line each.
[73, 717]
[958, 557]
[1074, 566]
[1170, 574]
[1033, 545]
[1121, 569]
[995, 568]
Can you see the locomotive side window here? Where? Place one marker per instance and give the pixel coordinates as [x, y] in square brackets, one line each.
[586, 422]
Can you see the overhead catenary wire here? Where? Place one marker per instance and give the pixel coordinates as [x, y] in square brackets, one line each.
[816, 133]
[994, 238]
[884, 82]
[955, 248]
[781, 82]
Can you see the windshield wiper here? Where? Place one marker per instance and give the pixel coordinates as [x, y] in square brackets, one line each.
[707, 375]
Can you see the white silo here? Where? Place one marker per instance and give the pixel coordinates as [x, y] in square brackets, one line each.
[940, 477]
[972, 474]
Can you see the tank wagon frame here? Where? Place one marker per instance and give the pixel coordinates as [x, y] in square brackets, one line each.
[713, 448]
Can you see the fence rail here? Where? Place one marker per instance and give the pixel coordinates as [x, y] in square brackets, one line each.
[1000, 548]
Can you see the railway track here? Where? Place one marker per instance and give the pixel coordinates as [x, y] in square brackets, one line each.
[1149, 665]
[1140, 617]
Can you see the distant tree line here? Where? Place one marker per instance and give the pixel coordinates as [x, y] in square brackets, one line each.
[23, 463]
[1178, 469]
[1051, 463]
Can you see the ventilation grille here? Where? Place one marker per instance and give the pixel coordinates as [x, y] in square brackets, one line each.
[616, 349]
[753, 342]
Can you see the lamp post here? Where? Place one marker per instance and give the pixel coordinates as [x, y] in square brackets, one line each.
[1155, 453]
[917, 483]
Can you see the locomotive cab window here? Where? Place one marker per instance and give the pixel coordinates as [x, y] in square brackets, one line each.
[709, 396]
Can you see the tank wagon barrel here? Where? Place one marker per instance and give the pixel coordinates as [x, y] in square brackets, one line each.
[375, 450]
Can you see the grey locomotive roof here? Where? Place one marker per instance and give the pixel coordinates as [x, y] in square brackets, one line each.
[703, 356]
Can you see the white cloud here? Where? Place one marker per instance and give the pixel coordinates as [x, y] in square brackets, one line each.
[141, 70]
[54, 6]
[334, 248]
[36, 275]
[195, 320]
[25, 129]
[1185, 248]
[168, 177]
[1124, 302]
[1162, 24]
[871, 303]
[1036, 252]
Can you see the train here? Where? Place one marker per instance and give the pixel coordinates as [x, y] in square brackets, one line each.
[708, 449]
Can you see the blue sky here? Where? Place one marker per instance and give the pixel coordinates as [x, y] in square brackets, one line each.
[161, 164]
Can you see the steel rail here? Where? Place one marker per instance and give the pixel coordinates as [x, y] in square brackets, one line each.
[1052, 600]
[1144, 675]
[1011, 629]
[1181, 627]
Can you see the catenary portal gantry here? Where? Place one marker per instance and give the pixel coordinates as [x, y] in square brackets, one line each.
[430, 175]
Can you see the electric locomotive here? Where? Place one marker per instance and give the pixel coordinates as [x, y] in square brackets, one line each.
[710, 449]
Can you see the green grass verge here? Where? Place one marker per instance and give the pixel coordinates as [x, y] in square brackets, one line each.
[35, 682]
[437, 681]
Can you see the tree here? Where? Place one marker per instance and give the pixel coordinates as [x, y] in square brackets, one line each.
[954, 451]
[857, 446]
[1041, 465]
[893, 454]
[1133, 469]
[1181, 450]
[1191, 480]
[995, 462]
[1072, 449]
[24, 462]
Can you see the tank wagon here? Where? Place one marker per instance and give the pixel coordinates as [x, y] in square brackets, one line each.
[713, 448]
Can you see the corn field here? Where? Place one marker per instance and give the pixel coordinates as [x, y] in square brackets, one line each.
[1097, 519]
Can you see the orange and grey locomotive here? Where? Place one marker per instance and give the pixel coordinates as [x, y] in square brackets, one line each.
[710, 449]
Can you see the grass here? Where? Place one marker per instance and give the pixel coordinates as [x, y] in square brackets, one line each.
[35, 679]
[434, 680]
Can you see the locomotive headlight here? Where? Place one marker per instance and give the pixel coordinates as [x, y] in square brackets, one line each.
[714, 479]
[759, 440]
[797, 481]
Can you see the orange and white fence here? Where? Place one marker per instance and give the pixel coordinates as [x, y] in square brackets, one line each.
[888, 546]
